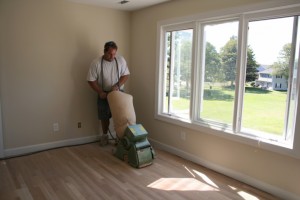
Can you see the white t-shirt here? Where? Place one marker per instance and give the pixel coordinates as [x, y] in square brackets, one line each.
[110, 72]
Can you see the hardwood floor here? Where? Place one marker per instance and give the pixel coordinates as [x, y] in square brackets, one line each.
[92, 172]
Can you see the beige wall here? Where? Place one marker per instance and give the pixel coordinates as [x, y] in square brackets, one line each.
[46, 49]
[270, 168]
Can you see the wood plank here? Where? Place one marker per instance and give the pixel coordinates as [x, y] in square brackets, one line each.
[92, 172]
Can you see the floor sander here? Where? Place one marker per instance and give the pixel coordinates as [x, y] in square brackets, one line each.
[133, 145]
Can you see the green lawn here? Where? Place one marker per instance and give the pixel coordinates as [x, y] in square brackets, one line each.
[263, 110]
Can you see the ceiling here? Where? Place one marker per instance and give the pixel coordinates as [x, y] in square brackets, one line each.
[131, 5]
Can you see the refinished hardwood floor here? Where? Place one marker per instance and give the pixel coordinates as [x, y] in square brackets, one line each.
[92, 172]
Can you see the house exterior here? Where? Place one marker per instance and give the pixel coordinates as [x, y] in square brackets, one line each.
[271, 82]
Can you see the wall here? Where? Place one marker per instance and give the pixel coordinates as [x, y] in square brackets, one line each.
[45, 52]
[46, 47]
[269, 171]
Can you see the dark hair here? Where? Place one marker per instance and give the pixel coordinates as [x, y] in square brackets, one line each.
[110, 44]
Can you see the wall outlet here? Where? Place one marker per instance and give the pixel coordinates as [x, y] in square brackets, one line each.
[182, 135]
[79, 125]
[56, 127]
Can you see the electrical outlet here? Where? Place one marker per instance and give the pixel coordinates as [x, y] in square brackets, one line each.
[182, 135]
[79, 125]
[56, 127]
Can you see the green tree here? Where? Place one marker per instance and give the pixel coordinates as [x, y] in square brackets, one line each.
[213, 70]
[228, 57]
[251, 71]
[179, 45]
[185, 69]
[281, 66]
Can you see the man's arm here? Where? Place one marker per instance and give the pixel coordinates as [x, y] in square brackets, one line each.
[121, 82]
[94, 85]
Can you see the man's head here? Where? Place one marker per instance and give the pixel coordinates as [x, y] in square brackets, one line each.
[110, 50]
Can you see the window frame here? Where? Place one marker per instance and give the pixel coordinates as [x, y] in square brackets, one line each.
[261, 12]
[287, 139]
[200, 76]
[162, 61]
[171, 80]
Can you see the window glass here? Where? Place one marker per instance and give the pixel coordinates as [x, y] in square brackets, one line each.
[219, 70]
[267, 75]
[178, 64]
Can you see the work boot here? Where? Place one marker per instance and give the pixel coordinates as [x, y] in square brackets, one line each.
[103, 140]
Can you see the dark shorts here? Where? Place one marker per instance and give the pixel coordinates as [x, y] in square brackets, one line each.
[103, 109]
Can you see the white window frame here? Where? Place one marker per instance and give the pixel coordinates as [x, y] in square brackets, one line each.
[246, 14]
[199, 91]
[287, 140]
[161, 89]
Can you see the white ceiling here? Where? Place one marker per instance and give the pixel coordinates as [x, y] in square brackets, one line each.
[115, 4]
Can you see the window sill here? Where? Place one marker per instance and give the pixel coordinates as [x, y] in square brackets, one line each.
[276, 146]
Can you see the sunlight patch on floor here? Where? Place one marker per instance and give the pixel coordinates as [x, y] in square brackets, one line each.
[181, 184]
[203, 176]
[191, 173]
[206, 179]
[247, 196]
[231, 187]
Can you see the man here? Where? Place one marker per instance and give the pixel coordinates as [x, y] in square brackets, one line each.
[107, 73]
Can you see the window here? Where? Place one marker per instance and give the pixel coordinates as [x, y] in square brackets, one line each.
[235, 76]
[177, 76]
[219, 72]
[264, 111]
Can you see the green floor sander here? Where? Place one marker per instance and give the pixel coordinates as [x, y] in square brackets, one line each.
[133, 146]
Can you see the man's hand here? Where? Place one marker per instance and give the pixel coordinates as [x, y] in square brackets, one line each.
[103, 95]
[115, 88]
[94, 85]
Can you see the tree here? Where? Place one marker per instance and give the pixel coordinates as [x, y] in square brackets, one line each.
[251, 71]
[179, 45]
[185, 69]
[228, 58]
[281, 66]
[213, 70]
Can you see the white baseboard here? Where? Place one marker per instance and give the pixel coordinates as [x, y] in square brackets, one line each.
[45, 146]
[278, 192]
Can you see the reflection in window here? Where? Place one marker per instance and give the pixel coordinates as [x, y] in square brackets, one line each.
[177, 88]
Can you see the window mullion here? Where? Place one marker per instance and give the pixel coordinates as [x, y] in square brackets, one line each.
[290, 81]
[165, 75]
[171, 72]
[194, 74]
[200, 74]
[241, 74]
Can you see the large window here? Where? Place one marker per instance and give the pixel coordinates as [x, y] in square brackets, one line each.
[223, 75]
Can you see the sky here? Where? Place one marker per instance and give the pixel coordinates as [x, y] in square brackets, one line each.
[266, 37]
